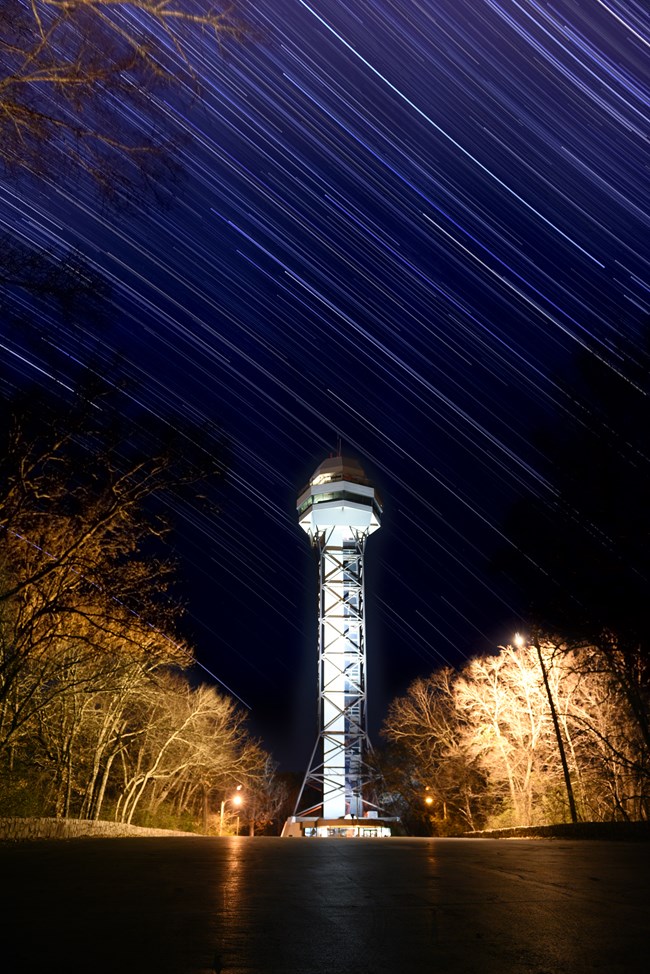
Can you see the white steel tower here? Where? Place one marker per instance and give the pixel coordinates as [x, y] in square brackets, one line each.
[339, 509]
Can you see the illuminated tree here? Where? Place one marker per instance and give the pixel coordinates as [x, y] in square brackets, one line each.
[77, 733]
[509, 729]
[482, 742]
[79, 78]
[132, 739]
[85, 597]
[80, 501]
[183, 736]
[429, 757]
[608, 755]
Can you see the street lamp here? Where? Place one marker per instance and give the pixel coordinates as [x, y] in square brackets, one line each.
[236, 800]
[520, 641]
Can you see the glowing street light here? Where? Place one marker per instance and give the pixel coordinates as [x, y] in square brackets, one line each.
[520, 641]
[236, 801]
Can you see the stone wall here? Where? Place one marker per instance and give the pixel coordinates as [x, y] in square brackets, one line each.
[24, 829]
[628, 831]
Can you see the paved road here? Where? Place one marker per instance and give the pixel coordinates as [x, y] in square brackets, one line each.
[292, 906]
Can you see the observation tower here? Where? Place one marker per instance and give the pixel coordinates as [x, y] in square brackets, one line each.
[339, 509]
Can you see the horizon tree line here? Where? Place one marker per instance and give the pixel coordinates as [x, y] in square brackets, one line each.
[100, 715]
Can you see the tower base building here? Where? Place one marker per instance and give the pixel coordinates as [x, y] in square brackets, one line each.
[337, 828]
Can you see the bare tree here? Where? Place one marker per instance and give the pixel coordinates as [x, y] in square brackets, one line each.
[483, 742]
[183, 733]
[79, 730]
[608, 753]
[509, 726]
[77, 74]
[83, 567]
[266, 799]
[431, 764]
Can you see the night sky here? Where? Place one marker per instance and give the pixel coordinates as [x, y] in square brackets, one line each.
[396, 223]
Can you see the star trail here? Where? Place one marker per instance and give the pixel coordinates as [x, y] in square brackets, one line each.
[394, 224]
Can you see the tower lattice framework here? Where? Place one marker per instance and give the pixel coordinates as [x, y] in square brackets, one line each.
[339, 510]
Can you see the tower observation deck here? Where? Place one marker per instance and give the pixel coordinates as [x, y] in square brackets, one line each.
[339, 509]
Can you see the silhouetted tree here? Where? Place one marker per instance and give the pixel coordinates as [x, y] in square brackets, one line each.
[582, 556]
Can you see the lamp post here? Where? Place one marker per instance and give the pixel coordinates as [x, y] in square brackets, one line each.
[520, 641]
[429, 801]
[235, 800]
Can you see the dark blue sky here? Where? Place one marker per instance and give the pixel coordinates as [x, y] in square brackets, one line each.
[396, 223]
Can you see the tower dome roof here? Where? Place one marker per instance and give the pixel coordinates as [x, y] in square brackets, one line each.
[339, 468]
